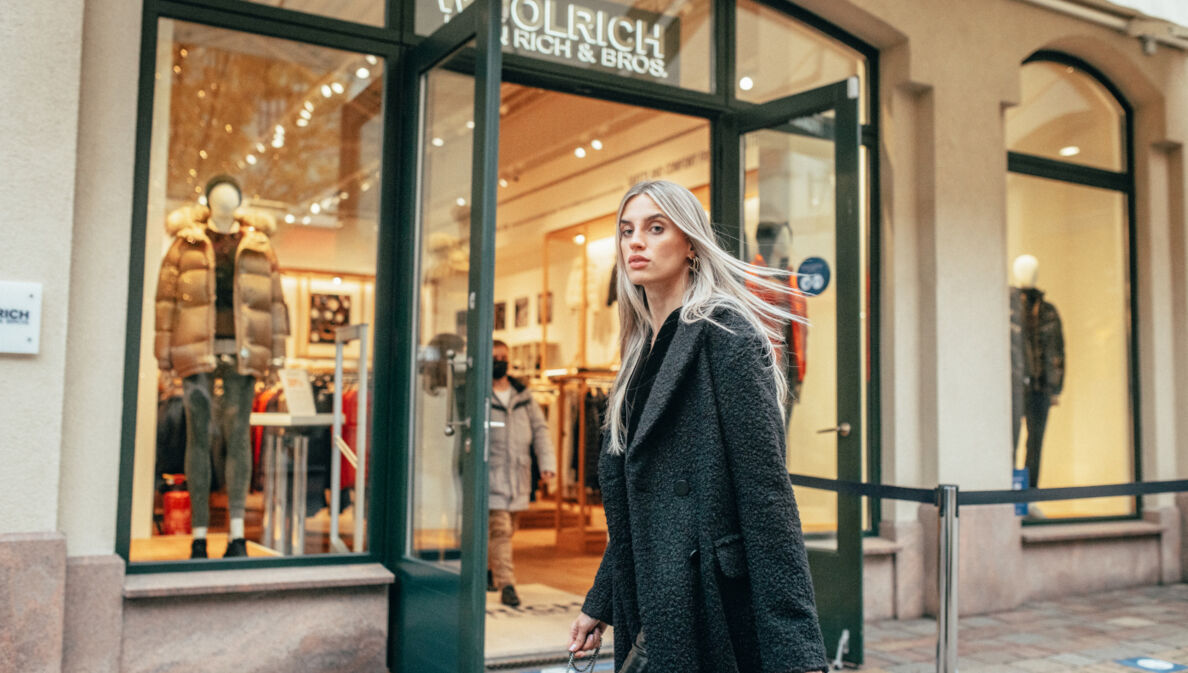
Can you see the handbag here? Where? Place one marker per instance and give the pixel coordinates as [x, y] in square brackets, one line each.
[637, 658]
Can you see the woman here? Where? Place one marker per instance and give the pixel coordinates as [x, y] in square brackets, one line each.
[705, 554]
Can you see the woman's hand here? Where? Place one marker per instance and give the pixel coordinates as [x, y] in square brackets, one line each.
[585, 634]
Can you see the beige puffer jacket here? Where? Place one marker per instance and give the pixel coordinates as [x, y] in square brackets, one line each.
[186, 297]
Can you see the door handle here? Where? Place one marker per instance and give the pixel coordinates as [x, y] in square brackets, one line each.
[843, 430]
[452, 424]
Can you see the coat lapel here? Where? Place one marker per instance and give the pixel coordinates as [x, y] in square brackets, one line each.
[676, 361]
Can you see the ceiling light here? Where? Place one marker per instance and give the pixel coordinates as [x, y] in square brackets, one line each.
[362, 73]
[198, 190]
[315, 207]
[306, 114]
[184, 52]
[279, 129]
[278, 142]
[251, 159]
[470, 124]
[260, 147]
[202, 153]
[306, 220]
[337, 87]
[327, 202]
[337, 280]
[303, 122]
[176, 69]
[579, 239]
[372, 60]
[460, 201]
[746, 84]
[239, 163]
[596, 144]
[290, 218]
[227, 128]
[326, 91]
[579, 152]
[202, 93]
[1070, 151]
[193, 173]
[502, 182]
[202, 199]
[343, 195]
[437, 142]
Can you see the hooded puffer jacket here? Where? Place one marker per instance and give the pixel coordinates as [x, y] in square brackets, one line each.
[186, 297]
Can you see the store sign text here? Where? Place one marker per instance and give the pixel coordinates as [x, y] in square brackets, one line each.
[592, 33]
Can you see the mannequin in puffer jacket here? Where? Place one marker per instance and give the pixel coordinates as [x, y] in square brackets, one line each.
[220, 315]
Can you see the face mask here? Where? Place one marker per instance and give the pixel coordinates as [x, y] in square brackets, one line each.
[498, 369]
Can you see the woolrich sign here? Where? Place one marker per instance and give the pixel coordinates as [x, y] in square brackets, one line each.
[589, 33]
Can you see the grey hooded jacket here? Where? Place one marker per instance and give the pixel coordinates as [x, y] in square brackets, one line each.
[510, 465]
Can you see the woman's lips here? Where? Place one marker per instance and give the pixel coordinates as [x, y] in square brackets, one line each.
[637, 261]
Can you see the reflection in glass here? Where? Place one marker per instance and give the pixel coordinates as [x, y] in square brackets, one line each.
[1068, 269]
[789, 223]
[370, 12]
[779, 56]
[665, 41]
[446, 146]
[1066, 114]
[263, 161]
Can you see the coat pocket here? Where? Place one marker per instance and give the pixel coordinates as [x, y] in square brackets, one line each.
[732, 557]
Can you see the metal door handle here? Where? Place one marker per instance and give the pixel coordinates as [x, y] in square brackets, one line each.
[843, 430]
[451, 424]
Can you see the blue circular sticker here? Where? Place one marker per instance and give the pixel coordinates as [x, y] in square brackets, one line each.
[813, 276]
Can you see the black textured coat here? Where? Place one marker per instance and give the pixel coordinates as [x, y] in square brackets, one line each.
[706, 553]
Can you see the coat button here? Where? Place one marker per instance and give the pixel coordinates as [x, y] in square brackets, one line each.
[694, 555]
[681, 488]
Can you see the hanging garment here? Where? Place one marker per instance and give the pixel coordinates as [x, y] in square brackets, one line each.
[793, 352]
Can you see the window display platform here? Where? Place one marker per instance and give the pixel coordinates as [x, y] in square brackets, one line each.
[174, 547]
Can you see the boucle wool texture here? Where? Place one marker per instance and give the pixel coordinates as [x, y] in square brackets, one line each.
[706, 553]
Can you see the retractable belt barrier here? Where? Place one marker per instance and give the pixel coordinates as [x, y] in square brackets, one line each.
[949, 499]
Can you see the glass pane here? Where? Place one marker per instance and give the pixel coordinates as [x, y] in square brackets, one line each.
[446, 145]
[1066, 114]
[370, 12]
[1070, 368]
[789, 223]
[260, 246]
[779, 56]
[667, 41]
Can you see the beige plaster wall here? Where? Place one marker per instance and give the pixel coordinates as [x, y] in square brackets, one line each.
[40, 49]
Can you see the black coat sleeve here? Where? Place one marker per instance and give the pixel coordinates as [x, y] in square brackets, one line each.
[752, 428]
[599, 602]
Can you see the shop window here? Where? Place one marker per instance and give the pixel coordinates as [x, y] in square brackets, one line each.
[779, 55]
[664, 41]
[1068, 264]
[260, 249]
[370, 12]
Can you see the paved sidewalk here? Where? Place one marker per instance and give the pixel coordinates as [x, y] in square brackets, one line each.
[1078, 633]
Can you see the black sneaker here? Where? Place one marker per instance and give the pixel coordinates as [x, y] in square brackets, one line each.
[198, 548]
[509, 596]
[236, 547]
[491, 582]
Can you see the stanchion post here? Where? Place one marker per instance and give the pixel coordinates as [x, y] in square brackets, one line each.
[949, 541]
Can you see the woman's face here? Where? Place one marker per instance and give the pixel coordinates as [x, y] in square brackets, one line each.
[655, 251]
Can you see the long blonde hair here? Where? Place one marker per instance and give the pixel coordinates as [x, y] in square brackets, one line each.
[718, 280]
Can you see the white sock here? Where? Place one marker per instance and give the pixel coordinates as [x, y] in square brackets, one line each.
[236, 529]
[199, 532]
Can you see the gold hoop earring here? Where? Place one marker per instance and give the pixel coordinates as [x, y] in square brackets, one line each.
[695, 264]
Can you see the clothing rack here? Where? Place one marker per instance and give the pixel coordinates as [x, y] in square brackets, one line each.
[582, 538]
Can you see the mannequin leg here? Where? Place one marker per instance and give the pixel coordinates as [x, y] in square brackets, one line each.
[236, 410]
[1016, 424]
[1038, 405]
[198, 391]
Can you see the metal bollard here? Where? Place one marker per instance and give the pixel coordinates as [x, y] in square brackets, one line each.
[949, 540]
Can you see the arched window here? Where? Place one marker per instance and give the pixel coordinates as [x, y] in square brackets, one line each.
[1070, 264]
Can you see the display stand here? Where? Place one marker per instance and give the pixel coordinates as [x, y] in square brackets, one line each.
[582, 538]
[285, 474]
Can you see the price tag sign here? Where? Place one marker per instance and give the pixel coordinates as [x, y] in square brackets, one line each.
[298, 392]
[813, 276]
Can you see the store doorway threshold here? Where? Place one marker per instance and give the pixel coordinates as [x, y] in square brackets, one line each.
[531, 637]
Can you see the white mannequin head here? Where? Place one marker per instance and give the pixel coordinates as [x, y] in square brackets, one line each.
[223, 197]
[1025, 269]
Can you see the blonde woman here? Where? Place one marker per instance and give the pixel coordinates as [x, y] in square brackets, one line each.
[705, 568]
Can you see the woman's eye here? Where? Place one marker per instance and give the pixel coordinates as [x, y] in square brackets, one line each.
[657, 229]
[625, 233]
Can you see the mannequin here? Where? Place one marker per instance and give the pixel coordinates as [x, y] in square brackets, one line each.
[220, 315]
[1037, 361]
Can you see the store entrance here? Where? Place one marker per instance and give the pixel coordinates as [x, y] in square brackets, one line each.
[564, 163]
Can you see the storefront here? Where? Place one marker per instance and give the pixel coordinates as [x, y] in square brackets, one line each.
[332, 210]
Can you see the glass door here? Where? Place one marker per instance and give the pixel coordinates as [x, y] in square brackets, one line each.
[451, 116]
[797, 176]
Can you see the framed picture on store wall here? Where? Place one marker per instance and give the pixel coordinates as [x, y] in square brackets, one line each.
[522, 312]
[320, 303]
[500, 315]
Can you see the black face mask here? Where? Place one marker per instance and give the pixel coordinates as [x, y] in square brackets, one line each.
[498, 369]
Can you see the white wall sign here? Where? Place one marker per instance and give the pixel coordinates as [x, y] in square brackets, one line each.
[20, 318]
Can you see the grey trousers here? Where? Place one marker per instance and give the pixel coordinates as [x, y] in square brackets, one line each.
[227, 414]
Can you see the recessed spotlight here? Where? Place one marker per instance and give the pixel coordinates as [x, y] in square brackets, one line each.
[337, 87]
[460, 201]
[308, 105]
[746, 84]
[306, 114]
[579, 239]
[1070, 151]
[227, 128]
[470, 124]
[202, 199]
[202, 93]
[260, 147]
[327, 91]
[337, 280]
[502, 182]
[279, 129]
[251, 159]
[372, 60]
[278, 142]
[579, 152]
[362, 73]
[184, 52]
[303, 122]
[306, 220]
[315, 207]
[596, 144]
[437, 142]
[202, 153]
[290, 218]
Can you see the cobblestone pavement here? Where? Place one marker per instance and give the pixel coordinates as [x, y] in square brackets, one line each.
[1079, 633]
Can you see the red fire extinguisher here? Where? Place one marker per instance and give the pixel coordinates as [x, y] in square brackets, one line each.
[176, 502]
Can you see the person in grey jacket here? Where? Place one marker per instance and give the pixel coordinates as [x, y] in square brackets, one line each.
[518, 427]
[705, 556]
